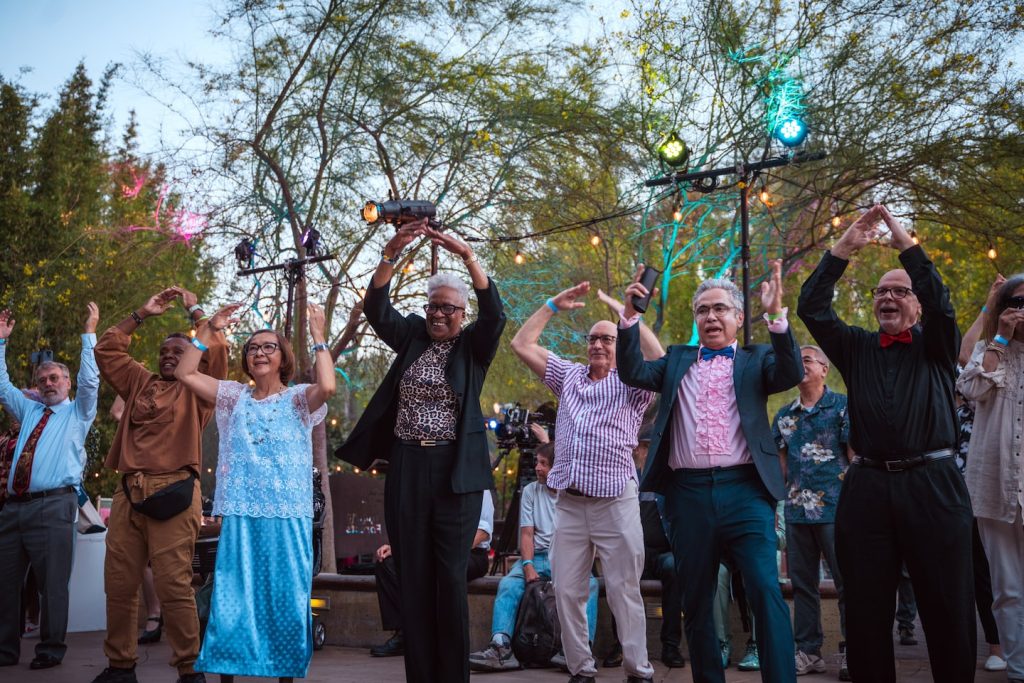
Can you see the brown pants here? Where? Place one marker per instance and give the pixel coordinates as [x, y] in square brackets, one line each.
[134, 539]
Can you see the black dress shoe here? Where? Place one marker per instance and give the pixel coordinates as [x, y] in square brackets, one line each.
[44, 661]
[394, 647]
[672, 657]
[637, 679]
[614, 657]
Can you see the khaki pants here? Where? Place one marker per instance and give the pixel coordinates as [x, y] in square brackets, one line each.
[611, 528]
[134, 539]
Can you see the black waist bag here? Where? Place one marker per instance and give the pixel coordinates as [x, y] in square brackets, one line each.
[167, 502]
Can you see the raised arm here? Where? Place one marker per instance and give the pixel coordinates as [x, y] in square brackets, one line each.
[783, 369]
[650, 347]
[526, 342]
[87, 393]
[14, 401]
[317, 394]
[119, 369]
[629, 359]
[202, 385]
[390, 326]
[973, 333]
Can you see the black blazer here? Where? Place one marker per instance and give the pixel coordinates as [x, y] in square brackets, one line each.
[374, 434]
[758, 370]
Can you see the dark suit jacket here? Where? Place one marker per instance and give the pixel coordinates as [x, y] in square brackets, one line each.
[758, 370]
[374, 436]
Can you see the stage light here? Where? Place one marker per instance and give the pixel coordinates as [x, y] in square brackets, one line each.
[595, 240]
[672, 150]
[992, 252]
[790, 132]
[519, 258]
[492, 424]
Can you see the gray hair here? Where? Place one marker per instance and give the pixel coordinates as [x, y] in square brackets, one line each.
[50, 364]
[719, 283]
[440, 280]
[821, 354]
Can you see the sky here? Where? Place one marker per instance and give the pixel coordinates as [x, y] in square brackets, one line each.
[42, 41]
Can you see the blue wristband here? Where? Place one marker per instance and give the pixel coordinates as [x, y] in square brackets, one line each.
[526, 562]
[200, 345]
[1000, 339]
[2, 342]
[551, 304]
[984, 309]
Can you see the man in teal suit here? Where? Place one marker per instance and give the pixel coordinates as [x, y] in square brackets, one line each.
[716, 463]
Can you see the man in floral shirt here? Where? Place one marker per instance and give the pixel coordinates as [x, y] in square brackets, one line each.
[812, 434]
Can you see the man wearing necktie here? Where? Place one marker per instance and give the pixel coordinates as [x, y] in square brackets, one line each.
[716, 463]
[37, 522]
[903, 498]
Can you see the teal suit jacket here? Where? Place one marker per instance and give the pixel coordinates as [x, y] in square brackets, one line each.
[758, 371]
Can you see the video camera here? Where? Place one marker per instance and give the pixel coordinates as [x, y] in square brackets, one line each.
[515, 429]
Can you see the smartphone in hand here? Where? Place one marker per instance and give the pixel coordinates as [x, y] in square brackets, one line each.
[649, 277]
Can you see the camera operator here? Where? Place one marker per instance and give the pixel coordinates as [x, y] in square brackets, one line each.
[597, 423]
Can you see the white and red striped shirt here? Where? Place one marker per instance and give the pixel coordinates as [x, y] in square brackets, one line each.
[595, 430]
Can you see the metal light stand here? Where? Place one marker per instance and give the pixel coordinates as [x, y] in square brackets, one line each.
[746, 173]
[294, 270]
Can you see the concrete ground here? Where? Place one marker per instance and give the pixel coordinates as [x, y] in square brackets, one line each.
[85, 659]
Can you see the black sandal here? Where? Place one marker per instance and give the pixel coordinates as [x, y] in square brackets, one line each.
[152, 636]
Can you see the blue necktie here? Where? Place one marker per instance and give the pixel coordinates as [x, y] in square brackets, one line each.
[708, 354]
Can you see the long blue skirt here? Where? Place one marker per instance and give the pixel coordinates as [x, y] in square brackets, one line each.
[260, 620]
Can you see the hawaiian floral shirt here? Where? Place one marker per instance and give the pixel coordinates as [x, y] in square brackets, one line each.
[815, 441]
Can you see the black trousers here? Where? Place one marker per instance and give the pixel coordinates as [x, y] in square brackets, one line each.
[431, 529]
[922, 517]
[983, 589]
[389, 595]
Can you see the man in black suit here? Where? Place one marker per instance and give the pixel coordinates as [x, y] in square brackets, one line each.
[715, 461]
[426, 419]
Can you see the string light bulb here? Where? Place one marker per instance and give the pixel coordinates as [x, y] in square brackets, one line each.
[764, 196]
[677, 215]
[362, 292]
[992, 252]
[595, 240]
[409, 268]
[836, 221]
[519, 258]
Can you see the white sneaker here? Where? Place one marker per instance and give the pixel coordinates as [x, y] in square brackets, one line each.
[995, 663]
[808, 663]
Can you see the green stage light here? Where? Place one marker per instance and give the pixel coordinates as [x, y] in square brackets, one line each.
[672, 150]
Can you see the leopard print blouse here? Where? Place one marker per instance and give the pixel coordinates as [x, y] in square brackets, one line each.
[427, 406]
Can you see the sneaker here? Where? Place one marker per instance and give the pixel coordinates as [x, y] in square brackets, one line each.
[807, 663]
[558, 661]
[493, 658]
[751, 661]
[844, 672]
[995, 663]
[726, 649]
[115, 675]
[31, 630]
[907, 636]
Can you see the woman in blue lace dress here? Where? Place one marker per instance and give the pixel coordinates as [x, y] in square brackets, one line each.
[260, 622]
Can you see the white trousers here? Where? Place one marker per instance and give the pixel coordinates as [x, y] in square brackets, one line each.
[1004, 545]
[611, 529]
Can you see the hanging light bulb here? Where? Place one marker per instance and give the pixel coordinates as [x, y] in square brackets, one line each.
[595, 240]
[519, 258]
[409, 268]
[362, 292]
[764, 196]
[914, 238]
[677, 215]
[992, 252]
[836, 221]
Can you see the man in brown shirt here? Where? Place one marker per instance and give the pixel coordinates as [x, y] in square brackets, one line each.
[157, 444]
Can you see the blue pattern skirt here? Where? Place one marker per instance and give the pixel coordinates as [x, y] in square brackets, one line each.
[260, 620]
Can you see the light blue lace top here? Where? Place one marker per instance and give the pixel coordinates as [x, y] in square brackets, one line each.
[264, 468]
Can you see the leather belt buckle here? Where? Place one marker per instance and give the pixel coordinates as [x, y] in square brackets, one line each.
[894, 465]
[428, 442]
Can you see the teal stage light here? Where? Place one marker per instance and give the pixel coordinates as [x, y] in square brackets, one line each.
[791, 132]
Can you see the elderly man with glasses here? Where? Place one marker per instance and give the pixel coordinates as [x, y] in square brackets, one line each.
[903, 498]
[714, 460]
[598, 509]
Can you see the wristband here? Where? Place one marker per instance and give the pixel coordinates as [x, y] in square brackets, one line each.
[200, 345]
[2, 342]
[321, 347]
[1000, 339]
[137, 318]
[772, 317]
[527, 562]
[984, 309]
[389, 260]
[551, 304]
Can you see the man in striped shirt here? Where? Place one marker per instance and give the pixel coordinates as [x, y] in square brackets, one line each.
[598, 513]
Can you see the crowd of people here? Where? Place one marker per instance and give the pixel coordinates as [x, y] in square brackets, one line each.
[663, 463]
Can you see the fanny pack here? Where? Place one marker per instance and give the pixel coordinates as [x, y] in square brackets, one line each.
[167, 502]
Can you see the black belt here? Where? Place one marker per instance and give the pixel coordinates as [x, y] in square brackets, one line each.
[578, 493]
[905, 464]
[425, 442]
[26, 497]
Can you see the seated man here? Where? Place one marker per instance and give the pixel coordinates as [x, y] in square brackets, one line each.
[388, 594]
[536, 526]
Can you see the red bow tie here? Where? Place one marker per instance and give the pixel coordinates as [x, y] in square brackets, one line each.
[887, 340]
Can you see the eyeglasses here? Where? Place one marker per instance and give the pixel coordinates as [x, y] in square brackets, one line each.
[268, 348]
[717, 309]
[447, 309]
[1015, 302]
[603, 338]
[808, 359]
[897, 292]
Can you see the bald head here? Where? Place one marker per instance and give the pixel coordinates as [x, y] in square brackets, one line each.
[896, 313]
[601, 351]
